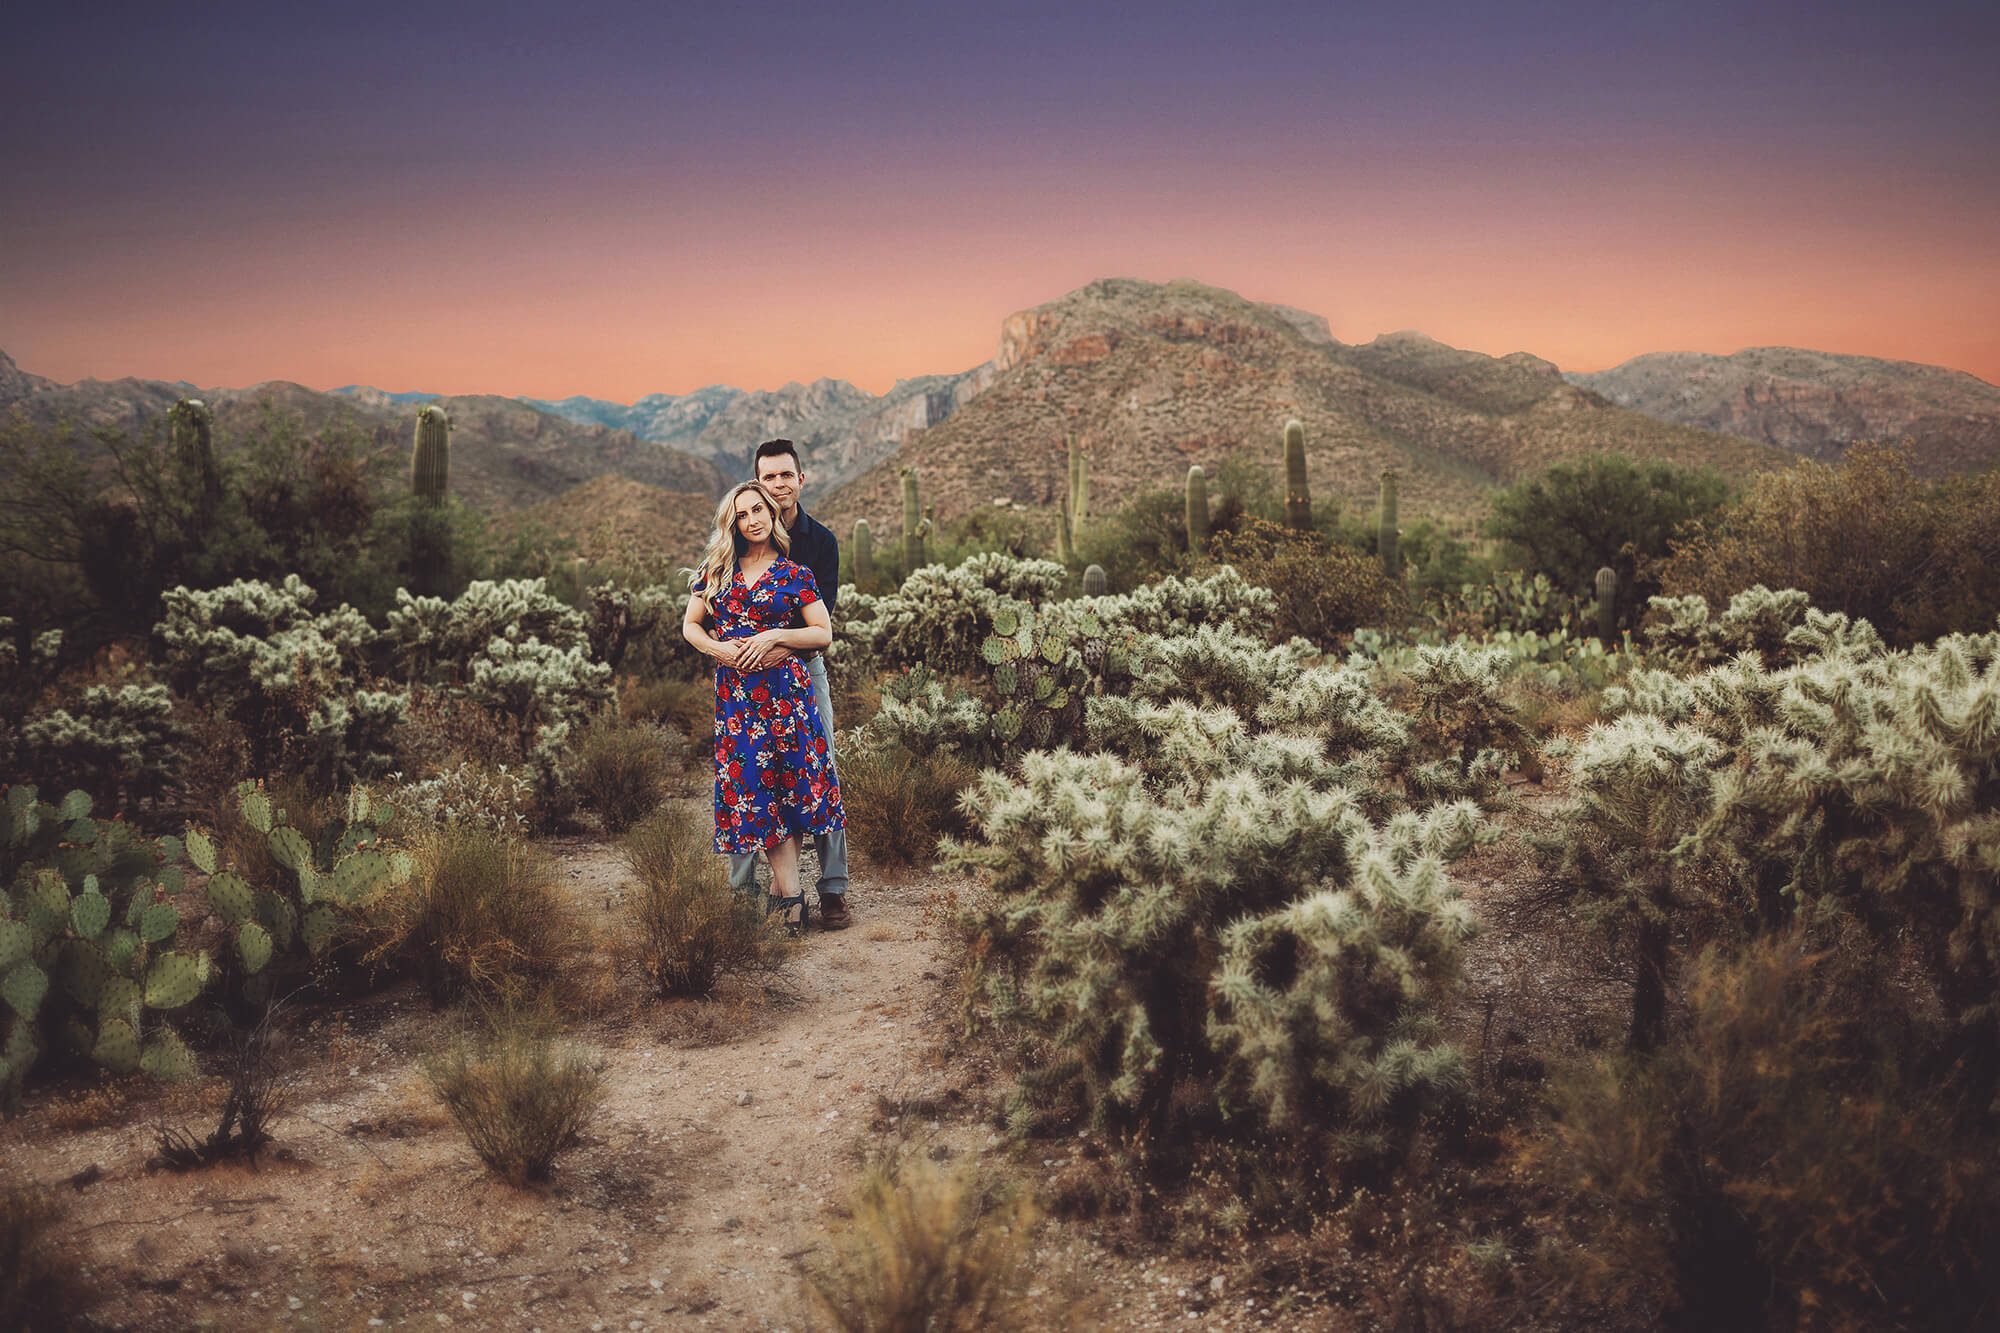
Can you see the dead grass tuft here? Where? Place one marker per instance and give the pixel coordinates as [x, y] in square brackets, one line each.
[519, 1095]
[693, 930]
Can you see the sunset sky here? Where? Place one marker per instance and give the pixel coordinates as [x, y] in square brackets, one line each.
[620, 199]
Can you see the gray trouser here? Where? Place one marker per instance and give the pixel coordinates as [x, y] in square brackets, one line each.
[831, 847]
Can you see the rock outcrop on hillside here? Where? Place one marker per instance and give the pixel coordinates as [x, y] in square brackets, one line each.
[1816, 403]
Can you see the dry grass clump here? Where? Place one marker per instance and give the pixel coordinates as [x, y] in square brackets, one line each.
[32, 1283]
[693, 929]
[481, 913]
[619, 771]
[899, 804]
[519, 1095]
[1787, 1159]
[925, 1248]
[684, 705]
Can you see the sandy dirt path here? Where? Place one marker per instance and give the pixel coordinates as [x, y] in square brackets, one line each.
[731, 1134]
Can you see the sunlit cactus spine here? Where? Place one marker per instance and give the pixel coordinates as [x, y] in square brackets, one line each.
[1607, 606]
[1197, 510]
[1388, 537]
[864, 555]
[1094, 581]
[430, 459]
[1298, 491]
[915, 525]
[193, 429]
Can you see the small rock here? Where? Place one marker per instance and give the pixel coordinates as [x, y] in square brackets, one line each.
[293, 1303]
[1215, 1284]
[744, 1098]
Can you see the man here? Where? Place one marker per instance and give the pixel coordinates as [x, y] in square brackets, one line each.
[776, 464]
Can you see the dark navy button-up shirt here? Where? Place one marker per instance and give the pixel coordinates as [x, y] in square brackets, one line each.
[815, 547]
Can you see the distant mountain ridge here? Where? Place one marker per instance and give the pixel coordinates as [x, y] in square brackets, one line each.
[1816, 403]
[1153, 377]
[843, 430]
[504, 453]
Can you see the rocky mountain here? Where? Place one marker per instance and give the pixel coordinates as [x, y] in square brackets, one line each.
[1816, 403]
[1154, 377]
[612, 517]
[505, 453]
[842, 430]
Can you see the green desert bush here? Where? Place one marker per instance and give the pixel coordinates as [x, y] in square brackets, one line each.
[482, 913]
[1576, 518]
[900, 802]
[620, 769]
[692, 928]
[519, 1094]
[923, 1247]
[1784, 1160]
[1866, 537]
[1324, 591]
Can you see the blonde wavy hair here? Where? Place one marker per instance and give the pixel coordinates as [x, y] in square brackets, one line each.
[725, 547]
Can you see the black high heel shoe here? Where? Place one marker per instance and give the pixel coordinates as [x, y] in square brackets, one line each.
[773, 903]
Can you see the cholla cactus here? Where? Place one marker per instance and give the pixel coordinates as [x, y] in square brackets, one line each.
[1757, 621]
[1465, 730]
[1638, 788]
[920, 715]
[537, 685]
[260, 654]
[123, 742]
[622, 616]
[87, 936]
[1110, 898]
[1176, 605]
[1325, 1009]
[437, 640]
[1212, 665]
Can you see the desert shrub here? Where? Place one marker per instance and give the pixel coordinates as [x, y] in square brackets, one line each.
[900, 802]
[1785, 1160]
[924, 1247]
[88, 963]
[258, 1094]
[686, 706]
[482, 912]
[290, 677]
[519, 1095]
[619, 771]
[1578, 517]
[496, 797]
[121, 745]
[33, 1287]
[693, 929]
[1140, 542]
[1323, 591]
[1100, 944]
[1866, 537]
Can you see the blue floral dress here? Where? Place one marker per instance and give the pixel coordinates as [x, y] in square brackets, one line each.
[772, 775]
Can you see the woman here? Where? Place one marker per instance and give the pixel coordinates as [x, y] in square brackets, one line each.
[773, 782]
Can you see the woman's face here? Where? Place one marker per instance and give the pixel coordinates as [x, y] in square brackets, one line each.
[753, 517]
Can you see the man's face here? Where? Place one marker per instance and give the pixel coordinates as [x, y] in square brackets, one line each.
[782, 478]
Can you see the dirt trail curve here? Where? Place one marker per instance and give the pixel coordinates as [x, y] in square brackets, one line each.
[730, 1131]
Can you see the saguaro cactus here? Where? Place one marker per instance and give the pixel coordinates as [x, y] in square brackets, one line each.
[1093, 581]
[1065, 548]
[864, 555]
[193, 428]
[430, 457]
[915, 525]
[1079, 491]
[1197, 510]
[430, 472]
[1298, 492]
[1607, 606]
[1388, 537]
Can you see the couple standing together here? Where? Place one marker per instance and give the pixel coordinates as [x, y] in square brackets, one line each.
[761, 606]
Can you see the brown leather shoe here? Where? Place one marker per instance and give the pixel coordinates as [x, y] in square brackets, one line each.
[833, 913]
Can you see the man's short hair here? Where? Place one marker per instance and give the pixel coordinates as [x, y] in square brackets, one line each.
[773, 449]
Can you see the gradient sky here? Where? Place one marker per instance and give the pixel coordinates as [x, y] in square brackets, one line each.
[619, 199]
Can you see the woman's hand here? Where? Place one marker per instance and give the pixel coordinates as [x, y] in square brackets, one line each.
[728, 652]
[761, 650]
